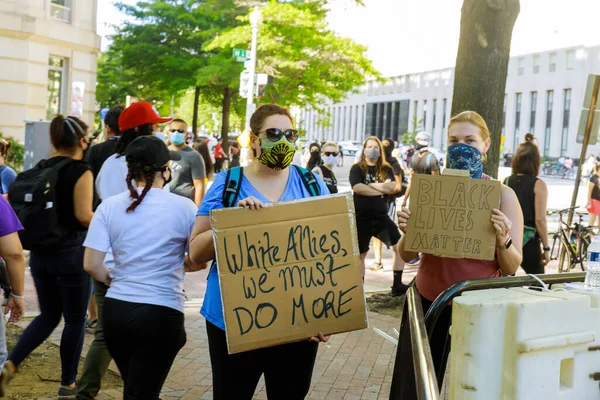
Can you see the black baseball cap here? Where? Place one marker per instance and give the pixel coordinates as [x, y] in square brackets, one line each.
[150, 151]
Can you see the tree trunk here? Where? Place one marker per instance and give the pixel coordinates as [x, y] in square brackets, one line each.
[195, 116]
[225, 119]
[482, 64]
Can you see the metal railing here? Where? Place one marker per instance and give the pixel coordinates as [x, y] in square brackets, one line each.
[407, 382]
[427, 386]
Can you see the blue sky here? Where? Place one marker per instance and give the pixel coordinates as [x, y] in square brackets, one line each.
[415, 35]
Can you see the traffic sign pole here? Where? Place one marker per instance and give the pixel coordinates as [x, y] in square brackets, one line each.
[584, 146]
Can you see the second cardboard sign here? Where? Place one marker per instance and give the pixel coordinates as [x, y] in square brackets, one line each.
[450, 216]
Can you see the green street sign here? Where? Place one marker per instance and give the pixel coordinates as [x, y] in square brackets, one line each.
[239, 53]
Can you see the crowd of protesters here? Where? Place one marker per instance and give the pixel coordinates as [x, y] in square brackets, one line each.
[133, 218]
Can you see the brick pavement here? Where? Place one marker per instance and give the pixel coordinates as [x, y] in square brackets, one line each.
[353, 366]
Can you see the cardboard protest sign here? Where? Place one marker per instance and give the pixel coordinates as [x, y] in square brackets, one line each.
[289, 271]
[450, 216]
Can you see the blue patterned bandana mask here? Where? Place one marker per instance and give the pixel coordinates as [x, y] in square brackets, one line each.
[462, 156]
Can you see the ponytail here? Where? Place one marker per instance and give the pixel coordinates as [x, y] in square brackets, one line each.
[66, 132]
[135, 172]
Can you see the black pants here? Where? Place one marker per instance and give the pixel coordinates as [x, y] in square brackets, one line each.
[143, 340]
[288, 369]
[532, 257]
[63, 290]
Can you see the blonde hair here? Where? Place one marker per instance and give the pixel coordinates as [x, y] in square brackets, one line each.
[475, 119]
[330, 144]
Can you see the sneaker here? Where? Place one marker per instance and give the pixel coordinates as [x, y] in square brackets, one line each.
[67, 392]
[399, 290]
[414, 261]
[375, 266]
[5, 377]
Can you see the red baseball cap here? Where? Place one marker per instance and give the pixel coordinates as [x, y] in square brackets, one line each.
[140, 113]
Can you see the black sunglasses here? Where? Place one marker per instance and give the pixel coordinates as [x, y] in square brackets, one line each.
[274, 134]
[178, 130]
[331, 153]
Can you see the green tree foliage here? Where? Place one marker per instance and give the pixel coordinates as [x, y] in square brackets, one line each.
[408, 137]
[309, 62]
[15, 154]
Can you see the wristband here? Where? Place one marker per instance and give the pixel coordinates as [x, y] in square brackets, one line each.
[15, 296]
[546, 249]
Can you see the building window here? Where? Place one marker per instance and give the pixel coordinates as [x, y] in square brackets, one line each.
[434, 115]
[570, 59]
[444, 135]
[57, 85]
[424, 115]
[536, 64]
[547, 133]
[521, 69]
[518, 98]
[533, 111]
[415, 113]
[565, 129]
[61, 10]
[552, 62]
[504, 115]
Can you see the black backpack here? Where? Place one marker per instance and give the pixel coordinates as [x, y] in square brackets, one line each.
[33, 198]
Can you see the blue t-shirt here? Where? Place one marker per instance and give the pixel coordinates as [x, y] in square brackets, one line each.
[7, 177]
[212, 307]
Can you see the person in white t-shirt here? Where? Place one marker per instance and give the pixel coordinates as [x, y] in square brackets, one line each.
[148, 231]
[139, 119]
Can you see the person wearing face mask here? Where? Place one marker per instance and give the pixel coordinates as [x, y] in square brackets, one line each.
[189, 173]
[62, 286]
[139, 119]
[397, 262]
[331, 156]
[468, 141]
[148, 230]
[314, 160]
[372, 180]
[268, 179]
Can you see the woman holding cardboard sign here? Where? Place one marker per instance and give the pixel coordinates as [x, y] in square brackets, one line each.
[269, 179]
[468, 140]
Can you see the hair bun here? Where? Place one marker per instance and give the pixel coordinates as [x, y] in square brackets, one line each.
[529, 137]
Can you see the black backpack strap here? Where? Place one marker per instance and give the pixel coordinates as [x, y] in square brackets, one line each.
[233, 183]
[61, 164]
[309, 180]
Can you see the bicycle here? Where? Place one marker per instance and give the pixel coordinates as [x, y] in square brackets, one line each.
[575, 240]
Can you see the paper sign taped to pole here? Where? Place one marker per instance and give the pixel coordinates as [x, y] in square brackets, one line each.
[289, 271]
[450, 216]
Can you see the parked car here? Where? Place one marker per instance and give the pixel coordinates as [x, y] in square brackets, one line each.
[350, 148]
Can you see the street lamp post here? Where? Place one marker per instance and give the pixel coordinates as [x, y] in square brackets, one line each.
[255, 21]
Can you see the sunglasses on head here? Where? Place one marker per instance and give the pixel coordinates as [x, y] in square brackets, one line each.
[177, 130]
[331, 153]
[274, 134]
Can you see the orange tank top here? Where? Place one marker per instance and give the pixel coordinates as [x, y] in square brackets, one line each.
[437, 274]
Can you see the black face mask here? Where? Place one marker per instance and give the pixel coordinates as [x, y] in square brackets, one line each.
[420, 146]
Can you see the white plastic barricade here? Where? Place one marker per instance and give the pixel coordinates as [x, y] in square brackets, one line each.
[520, 344]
